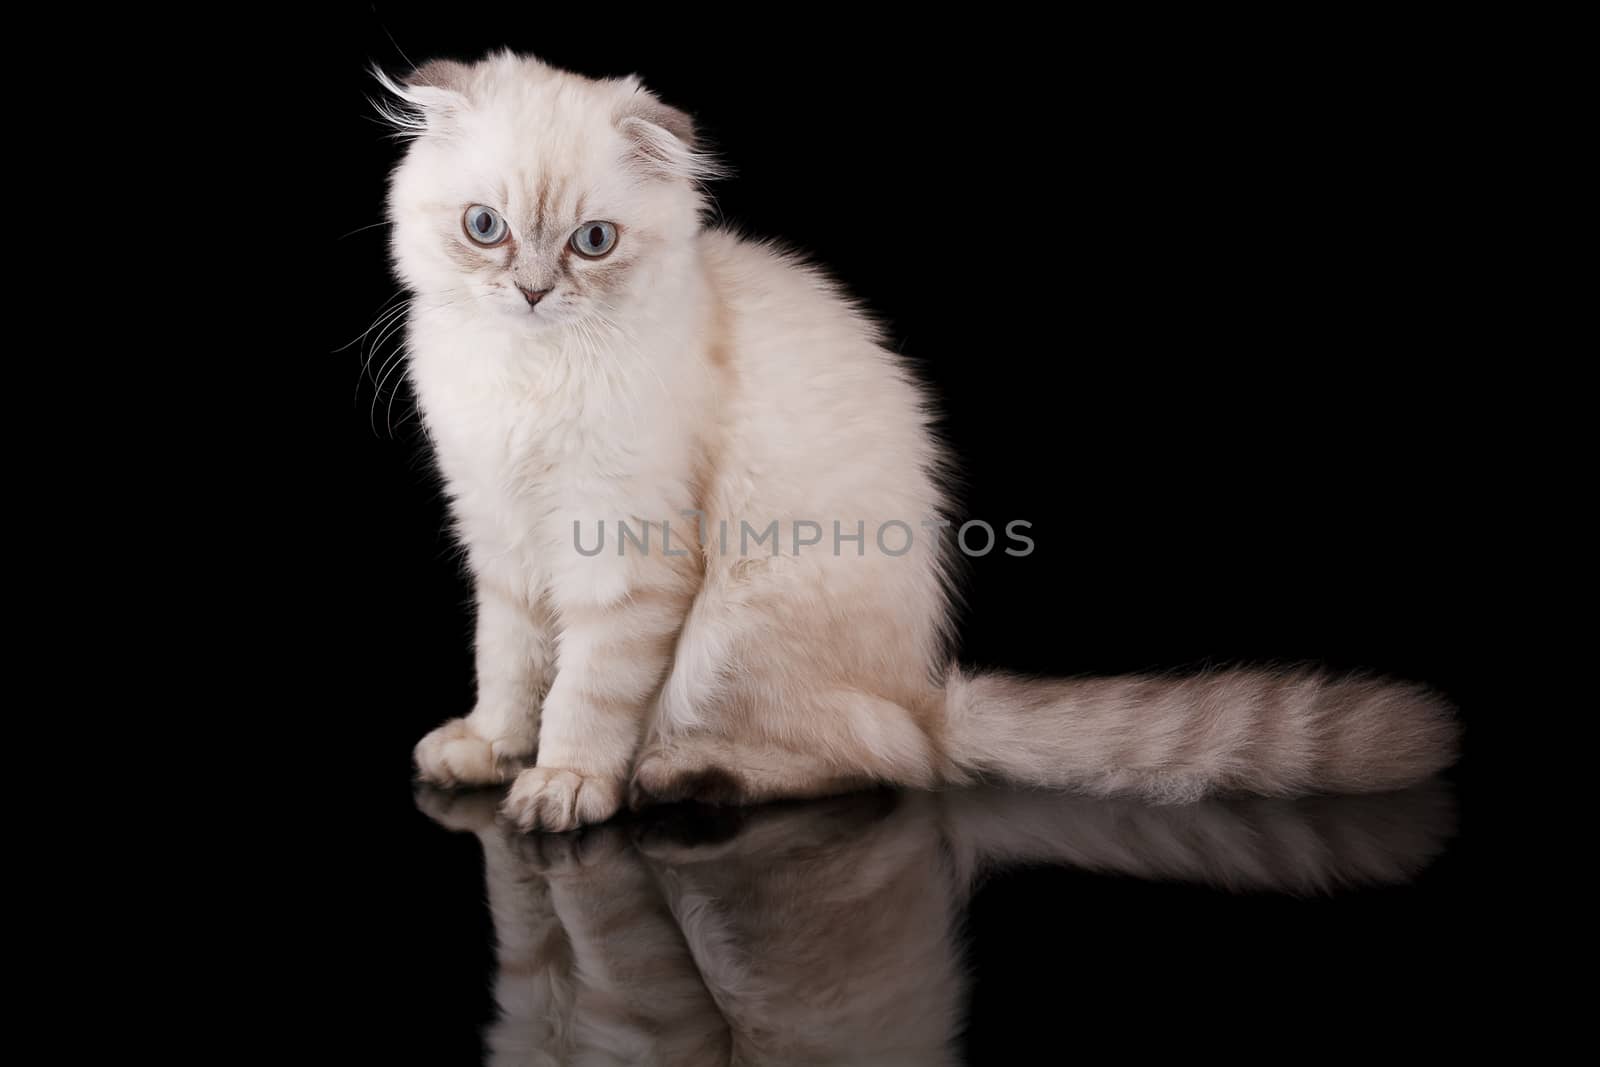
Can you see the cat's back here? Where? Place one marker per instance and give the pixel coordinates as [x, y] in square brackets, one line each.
[762, 284]
[802, 348]
[810, 390]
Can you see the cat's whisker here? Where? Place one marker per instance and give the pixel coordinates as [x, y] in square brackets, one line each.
[362, 229]
[393, 321]
[393, 329]
[384, 310]
[388, 415]
[389, 324]
[397, 361]
[390, 317]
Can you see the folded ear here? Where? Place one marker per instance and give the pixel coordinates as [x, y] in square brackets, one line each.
[438, 74]
[663, 138]
[644, 106]
[425, 98]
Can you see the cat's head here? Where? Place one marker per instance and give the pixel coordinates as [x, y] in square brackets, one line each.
[536, 195]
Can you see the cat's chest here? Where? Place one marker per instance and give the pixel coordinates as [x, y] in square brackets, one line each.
[510, 441]
[496, 436]
[535, 444]
[539, 447]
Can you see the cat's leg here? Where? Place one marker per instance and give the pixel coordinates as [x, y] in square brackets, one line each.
[614, 651]
[702, 655]
[836, 741]
[770, 698]
[515, 660]
[710, 768]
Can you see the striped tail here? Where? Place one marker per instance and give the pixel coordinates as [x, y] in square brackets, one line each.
[1251, 731]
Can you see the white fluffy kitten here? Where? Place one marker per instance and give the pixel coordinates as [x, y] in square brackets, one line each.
[587, 354]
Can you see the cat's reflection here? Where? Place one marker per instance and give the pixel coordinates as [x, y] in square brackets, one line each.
[827, 932]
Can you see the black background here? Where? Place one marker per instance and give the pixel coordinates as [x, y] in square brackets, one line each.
[1189, 304]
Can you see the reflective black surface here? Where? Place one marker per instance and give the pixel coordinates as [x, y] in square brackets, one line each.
[885, 928]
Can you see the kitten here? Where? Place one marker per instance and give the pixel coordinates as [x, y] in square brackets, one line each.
[829, 932]
[587, 355]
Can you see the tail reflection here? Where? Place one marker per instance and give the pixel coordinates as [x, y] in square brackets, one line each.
[826, 932]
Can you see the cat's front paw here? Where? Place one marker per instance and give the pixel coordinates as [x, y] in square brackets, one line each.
[550, 798]
[455, 755]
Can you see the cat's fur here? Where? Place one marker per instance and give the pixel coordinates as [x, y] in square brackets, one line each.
[694, 371]
[828, 932]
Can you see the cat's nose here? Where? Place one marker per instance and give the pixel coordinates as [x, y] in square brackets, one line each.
[532, 296]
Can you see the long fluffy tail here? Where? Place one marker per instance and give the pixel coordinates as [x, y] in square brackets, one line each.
[1252, 731]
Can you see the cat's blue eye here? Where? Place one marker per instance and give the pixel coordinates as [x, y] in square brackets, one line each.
[594, 239]
[484, 225]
